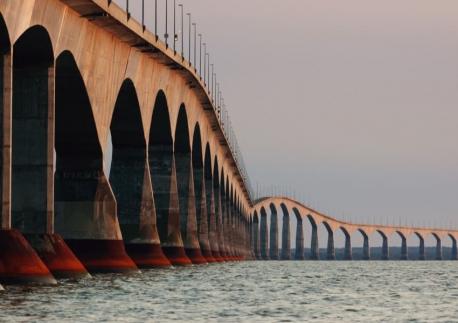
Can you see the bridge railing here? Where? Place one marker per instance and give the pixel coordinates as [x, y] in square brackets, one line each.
[202, 66]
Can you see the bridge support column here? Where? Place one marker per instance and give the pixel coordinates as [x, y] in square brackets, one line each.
[286, 238]
[219, 219]
[331, 253]
[256, 239]
[166, 198]
[454, 253]
[274, 235]
[366, 248]
[421, 248]
[314, 248]
[187, 208]
[348, 251]
[20, 263]
[299, 240]
[212, 230]
[264, 237]
[438, 247]
[404, 255]
[202, 223]
[385, 249]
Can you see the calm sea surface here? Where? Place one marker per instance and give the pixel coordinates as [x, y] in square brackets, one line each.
[262, 291]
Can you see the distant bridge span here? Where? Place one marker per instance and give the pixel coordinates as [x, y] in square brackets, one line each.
[116, 153]
[266, 245]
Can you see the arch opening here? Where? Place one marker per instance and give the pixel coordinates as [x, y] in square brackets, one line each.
[128, 172]
[33, 132]
[162, 168]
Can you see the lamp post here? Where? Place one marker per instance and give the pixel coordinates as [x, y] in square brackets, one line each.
[143, 15]
[211, 85]
[208, 72]
[189, 37]
[182, 41]
[205, 63]
[155, 18]
[200, 55]
[195, 50]
[175, 37]
[166, 35]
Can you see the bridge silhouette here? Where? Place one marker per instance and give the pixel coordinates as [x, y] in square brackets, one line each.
[118, 154]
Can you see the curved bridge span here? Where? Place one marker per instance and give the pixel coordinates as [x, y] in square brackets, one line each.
[266, 245]
[117, 153]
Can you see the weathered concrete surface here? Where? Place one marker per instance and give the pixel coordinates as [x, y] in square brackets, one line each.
[330, 252]
[299, 241]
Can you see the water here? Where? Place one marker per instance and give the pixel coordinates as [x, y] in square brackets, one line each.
[263, 291]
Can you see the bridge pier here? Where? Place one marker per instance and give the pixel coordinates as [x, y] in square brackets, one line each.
[314, 248]
[421, 247]
[330, 252]
[264, 236]
[299, 240]
[211, 217]
[218, 213]
[256, 238]
[187, 205]
[286, 237]
[366, 247]
[348, 255]
[204, 241]
[404, 254]
[454, 254]
[385, 249]
[274, 252]
[19, 262]
[273, 234]
[438, 247]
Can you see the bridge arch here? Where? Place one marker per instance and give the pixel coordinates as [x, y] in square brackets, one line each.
[32, 132]
[129, 172]
[5, 112]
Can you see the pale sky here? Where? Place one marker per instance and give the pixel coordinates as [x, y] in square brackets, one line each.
[353, 104]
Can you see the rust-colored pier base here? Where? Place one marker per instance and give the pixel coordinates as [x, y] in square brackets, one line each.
[19, 263]
[177, 256]
[217, 256]
[195, 255]
[147, 255]
[208, 256]
[57, 256]
[102, 256]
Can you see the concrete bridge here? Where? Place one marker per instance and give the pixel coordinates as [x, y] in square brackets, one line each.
[266, 244]
[116, 154]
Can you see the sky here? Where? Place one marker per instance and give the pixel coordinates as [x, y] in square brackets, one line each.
[352, 105]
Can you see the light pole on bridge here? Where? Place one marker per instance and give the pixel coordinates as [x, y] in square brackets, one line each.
[182, 33]
[195, 50]
[200, 55]
[189, 37]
